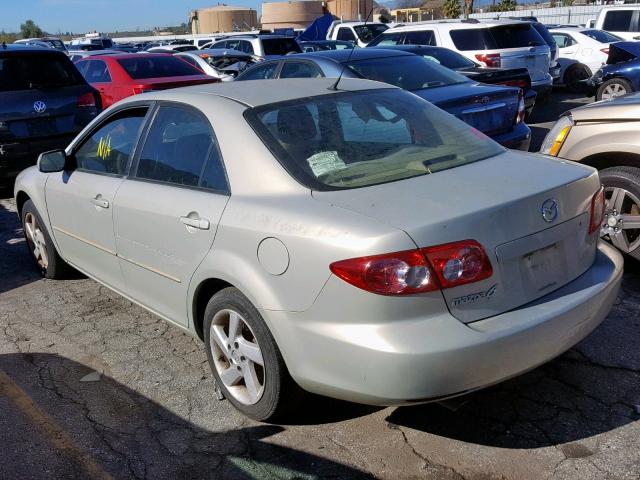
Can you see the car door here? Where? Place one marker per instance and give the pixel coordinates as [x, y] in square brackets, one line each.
[567, 45]
[98, 75]
[80, 201]
[167, 211]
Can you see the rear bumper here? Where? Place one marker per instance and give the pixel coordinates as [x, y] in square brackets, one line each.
[555, 73]
[395, 361]
[15, 156]
[518, 138]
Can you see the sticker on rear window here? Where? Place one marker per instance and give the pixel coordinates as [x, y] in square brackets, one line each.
[323, 163]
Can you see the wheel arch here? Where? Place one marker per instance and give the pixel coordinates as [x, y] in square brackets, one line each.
[201, 296]
[574, 66]
[21, 199]
[603, 160]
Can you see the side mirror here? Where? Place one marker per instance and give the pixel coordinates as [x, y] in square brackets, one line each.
[53, 161]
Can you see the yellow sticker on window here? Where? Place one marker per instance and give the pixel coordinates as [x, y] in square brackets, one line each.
[104, 147]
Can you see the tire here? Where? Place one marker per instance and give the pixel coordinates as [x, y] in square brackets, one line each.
[42, 249]
[622, 193]
[615, 87]
[278, 392]
[574, 75]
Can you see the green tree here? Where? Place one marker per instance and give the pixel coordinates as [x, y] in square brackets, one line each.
[468, 7]
[30, 30]
[451, 9]
[507, 5]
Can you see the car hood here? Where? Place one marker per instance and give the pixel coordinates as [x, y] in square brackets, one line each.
[621, 108]
[623, 52]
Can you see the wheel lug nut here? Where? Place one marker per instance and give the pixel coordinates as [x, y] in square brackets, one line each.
[228, 346]
[238, 367]
[236, 344]
[242, 359]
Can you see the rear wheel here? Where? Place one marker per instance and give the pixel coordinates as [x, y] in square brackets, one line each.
[622, 215]
[616, 87]
[574, 77]
[245, 359]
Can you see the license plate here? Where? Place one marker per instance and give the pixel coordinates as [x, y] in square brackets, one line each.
[485, 121]
[544, 267]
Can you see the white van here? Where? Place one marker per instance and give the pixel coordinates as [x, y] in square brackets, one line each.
[623, 21]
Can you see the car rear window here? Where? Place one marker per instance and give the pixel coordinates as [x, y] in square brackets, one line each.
[280, 46]
[349, 140]
[495, 38]
[447, 58]
[602, 36]
[31, 71]
[157, 67]
[410, 72]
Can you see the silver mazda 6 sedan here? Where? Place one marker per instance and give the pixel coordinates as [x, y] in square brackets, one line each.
[356, 242]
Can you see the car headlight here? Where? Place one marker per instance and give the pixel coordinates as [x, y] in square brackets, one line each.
[556, 136]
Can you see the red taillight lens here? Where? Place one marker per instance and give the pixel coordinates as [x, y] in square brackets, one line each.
[605, 50]
[417, 271]
[597, 211]
[87, 100]
[515, 83]
[459, 263]
[521, 108]
[489, 59]
[141, 89]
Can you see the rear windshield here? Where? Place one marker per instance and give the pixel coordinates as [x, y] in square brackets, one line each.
[280, 46]
[494, 38]
[447, 58]
[156, 67]
[366, 33]
[410, 72]
[356, 139]
[602, 36]
[544, 33]
[26, 72]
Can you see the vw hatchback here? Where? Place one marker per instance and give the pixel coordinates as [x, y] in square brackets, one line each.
[356, 242]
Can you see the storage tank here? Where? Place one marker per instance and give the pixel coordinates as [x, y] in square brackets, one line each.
[348, 9]
[290, 14]
[223, 18]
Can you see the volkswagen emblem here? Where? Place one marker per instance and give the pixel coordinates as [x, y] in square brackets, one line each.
[39, 106]
[549, 210]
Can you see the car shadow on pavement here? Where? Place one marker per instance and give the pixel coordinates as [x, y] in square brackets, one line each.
[76, 426]
[591, 389]
[558, 102]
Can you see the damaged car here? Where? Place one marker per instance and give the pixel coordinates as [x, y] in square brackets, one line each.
[220, 63]
[620, 75]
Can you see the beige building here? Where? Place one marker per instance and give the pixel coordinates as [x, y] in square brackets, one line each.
[350, 9]
[223, 18]
[293, 14]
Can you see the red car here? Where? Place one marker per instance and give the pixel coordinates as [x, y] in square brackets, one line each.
[120, 76]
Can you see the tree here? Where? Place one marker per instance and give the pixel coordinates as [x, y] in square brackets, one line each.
[468, 7]
[451, 9]
[30, 30]
[507, 5]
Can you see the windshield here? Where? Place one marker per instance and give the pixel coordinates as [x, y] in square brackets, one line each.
[280, 46]
[447, 58]
[410, 72]
[156, 67]
[602, 36]
[26, 72]
[368, 32]
[357, 139]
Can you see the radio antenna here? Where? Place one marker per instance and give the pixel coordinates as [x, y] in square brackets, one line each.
[335, 85]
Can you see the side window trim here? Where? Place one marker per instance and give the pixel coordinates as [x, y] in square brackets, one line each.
[151, 115]
[143, 127]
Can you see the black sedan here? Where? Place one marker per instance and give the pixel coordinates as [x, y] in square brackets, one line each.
[44, 103]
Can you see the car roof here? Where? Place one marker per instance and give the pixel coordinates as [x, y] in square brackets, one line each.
[26, 48]
[353, 54]
[214, 52]
[254, 93]
[452, 24]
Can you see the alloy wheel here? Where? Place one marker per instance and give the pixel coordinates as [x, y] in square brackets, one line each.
[237, 356]
[36, 240]
[622, 219]
[613, 90]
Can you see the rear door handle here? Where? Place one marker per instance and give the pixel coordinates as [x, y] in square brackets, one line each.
[98, 201]
[199, 223]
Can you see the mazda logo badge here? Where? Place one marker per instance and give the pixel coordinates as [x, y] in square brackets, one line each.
[39, 106]
[549, 210]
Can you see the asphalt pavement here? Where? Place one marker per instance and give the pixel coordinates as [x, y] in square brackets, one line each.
[92, 386]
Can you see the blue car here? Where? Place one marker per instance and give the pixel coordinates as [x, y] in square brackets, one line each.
[620, 75]
[494, 110]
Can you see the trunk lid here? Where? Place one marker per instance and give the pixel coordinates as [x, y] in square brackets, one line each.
[497, 202]
[490, 109]
[164, 83]
[534, 59]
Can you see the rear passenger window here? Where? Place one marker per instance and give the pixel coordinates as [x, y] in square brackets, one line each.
[388, 39]
[180, 149]
[97, 72]
[109, 148]
[346, 34]
[300, 70]
[471, 39]
[420, 37]
[246, 47]
[263, 72]
[618, 21]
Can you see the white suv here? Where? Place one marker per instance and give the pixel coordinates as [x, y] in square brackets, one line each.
[266, 46]
[494, 43]
[623, 21]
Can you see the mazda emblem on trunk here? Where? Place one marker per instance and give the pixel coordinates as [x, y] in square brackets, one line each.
[39, 106]
[549, 210]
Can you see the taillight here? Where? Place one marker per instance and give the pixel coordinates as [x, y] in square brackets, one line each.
[597, 211]
[605, 50]
[521, 108]
[489, 59]
[141, 89]
[417, 271]
[87, 100]
[459, 263]
[515, 83]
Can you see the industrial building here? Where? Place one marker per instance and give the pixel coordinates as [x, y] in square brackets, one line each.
[223, 18]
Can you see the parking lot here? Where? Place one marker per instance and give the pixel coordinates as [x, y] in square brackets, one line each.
[92, 386]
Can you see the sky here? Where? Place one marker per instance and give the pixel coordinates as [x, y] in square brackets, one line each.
[81, 16]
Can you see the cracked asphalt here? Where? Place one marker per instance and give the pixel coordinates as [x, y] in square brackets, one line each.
[92, 386]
